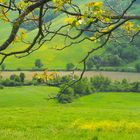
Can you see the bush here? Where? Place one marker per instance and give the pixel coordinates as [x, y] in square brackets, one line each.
[22, 77]
[19, 69]
[1, 87]
[57, 81]
[83, 87]
[97, 60]
[8, 82]
[137, 67]
[129, 54]
[125, 85]
[38, 63]
[70, 66]
[29, 83]
[115, 60]
[100, 83]
[111, 60]
[3, 67]
[15, 78]
[122, 86]
[135, 87]
[65, 79]
[66, 96]
[89, 64]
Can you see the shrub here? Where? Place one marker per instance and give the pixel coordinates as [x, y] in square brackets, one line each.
[111, 60]
[18, 69]
[83, 87]
[137, 67]
[38, 63]
[115, 60]
[3, 67]
[70, 66]
[95, 61]
[66, 96]
[122, 86]
[89, 64]
[28, 83]
[1, 87]
[136, 87]
[15, 78]
[129, 54]
[57, 81]
[100, 83]
[8, 82]
[66, 79]
[22, 77]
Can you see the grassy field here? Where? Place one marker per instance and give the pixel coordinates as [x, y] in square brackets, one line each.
[26, 114]
[131, 77]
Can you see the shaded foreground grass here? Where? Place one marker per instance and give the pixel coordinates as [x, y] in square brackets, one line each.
[26, 114]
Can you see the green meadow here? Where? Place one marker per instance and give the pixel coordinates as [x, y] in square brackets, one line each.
[50, 57]
[27, 114]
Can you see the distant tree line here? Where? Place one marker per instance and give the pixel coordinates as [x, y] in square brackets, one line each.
[93, 63]
[116, 56]
[84, 87]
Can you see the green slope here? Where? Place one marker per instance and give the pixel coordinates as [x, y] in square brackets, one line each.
[51, 58]
[26, 114]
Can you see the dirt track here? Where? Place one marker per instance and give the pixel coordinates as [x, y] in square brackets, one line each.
[113, 75]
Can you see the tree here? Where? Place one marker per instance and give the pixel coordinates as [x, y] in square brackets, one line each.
[100, 22]
[22, 76]
[38, 63]
[129, 54]
[70, 66]
[97, 62]
[137, 67]
[3, 66]
[89, 64]
[111, 60]
[15, 78]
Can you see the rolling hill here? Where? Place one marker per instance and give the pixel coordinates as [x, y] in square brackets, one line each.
[50, 58]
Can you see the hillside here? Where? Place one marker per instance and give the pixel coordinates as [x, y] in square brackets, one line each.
[51, 58]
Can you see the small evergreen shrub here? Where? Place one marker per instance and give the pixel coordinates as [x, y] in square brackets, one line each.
[66, 95]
